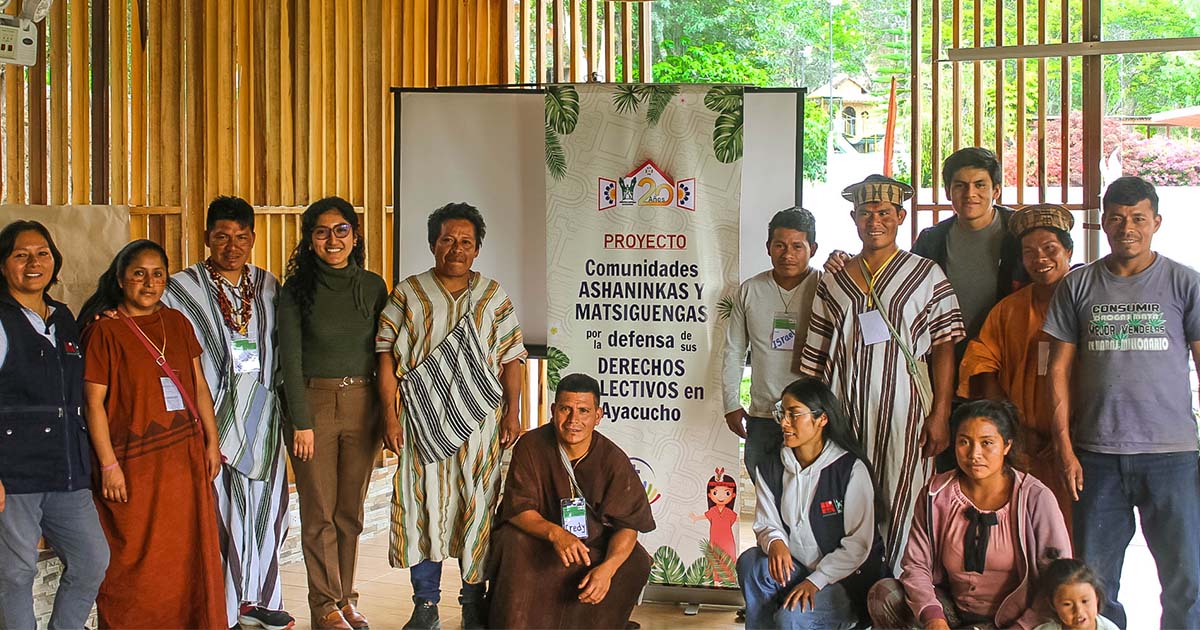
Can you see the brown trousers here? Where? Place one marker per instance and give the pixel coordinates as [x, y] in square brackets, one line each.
[332, 485]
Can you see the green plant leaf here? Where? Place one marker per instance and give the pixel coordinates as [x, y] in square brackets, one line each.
[556, 362]
[723, 568]
[724, 99]
[698, 573]
[666, 568]
[727, 136]
[556, 158]
[660, 97]
[627, 99]
[725, 307]
[562, 108]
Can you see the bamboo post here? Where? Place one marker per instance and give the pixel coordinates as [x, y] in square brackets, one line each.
[626, 42]
[37, 122]
[194, 141]
[275, 13]
[244, 96]
[342, 112]
[80, 105]
[372, 78]
[138, 148]
[154, 109]
[14, 121]
[169, 158]
[119, 164]
[98, 21]
[59, 115]
[226, 106]
[357, 97]
[259, 80]
[286, 100]
[300, 123]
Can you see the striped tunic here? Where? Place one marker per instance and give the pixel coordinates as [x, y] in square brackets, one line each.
[444, 510]
[251, 489]
[877, 393]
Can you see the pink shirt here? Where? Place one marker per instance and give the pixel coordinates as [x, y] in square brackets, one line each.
[980, 594]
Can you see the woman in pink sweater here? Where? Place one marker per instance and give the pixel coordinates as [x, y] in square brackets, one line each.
[980, 535]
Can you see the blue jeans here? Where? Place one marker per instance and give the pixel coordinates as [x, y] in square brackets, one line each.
[764, 598]
[764, 438]
[1165, 488]
[426, 578]
[68, 521]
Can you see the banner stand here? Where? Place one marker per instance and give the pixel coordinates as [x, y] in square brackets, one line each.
[669, 591]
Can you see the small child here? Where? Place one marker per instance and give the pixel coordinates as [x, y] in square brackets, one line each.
[1075, 593]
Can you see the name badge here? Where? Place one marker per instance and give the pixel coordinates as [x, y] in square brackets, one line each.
[245, 355]
[874, 329]
[783, 331]
[171, 395]
[574, 517]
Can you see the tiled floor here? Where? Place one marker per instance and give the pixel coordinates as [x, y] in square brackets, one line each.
[386, 595]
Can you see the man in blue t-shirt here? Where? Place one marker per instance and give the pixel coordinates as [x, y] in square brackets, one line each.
[1127, 438]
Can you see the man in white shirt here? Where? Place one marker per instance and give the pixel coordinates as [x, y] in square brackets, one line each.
[768, 315]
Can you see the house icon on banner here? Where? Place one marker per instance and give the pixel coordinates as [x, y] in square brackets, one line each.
[646, 186]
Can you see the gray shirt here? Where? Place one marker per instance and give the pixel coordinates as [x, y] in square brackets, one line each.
[1133, 393]
[973, 267]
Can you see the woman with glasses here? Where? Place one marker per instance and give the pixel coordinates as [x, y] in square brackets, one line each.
[818, 550]
[150, 417]
[328, 313]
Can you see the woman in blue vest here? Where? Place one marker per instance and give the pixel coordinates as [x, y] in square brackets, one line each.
[818, 550]
[45, 455]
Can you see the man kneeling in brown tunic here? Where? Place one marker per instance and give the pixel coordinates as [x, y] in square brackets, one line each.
[565, 554]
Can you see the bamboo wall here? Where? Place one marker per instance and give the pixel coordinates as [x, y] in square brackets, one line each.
[162, 105]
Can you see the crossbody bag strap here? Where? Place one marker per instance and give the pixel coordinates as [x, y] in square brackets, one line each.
[882, 308]
[161, 361]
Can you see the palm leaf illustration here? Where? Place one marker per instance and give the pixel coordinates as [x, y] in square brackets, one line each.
[627, 98]
[556, 362]
[698, 574]
[562, 108]
[724, 99]
[660, 97]
[666, 567]
[725, 307]
[727, 136]
[556, 158]
[723, 568]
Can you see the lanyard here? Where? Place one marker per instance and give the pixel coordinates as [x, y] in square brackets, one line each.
[787, 304]
[566, 461]
[871, 276]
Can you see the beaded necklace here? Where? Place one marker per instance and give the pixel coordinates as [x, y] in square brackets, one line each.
[240, 322]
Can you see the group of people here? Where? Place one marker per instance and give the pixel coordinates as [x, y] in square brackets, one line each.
[144, 439]
[974, 422]
[970, 432]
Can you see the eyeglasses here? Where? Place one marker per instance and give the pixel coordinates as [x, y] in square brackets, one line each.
[341, 230]
[791, 416]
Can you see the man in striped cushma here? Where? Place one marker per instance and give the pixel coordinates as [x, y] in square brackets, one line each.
[231, 305]
[871, 368]
[443, 501]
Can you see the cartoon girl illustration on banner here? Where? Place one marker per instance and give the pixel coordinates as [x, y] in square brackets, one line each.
[722, 513]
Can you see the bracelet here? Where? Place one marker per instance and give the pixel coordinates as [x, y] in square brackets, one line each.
[109, 467]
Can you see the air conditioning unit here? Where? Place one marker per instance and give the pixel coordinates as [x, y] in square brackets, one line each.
[18, 35]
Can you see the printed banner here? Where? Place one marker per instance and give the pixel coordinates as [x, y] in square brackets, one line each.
[643, 186]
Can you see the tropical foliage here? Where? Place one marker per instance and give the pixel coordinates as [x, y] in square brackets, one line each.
[562, 114]
[556, 362]
[713, 567]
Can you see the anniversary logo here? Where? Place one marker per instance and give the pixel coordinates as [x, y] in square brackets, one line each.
[642, 226]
